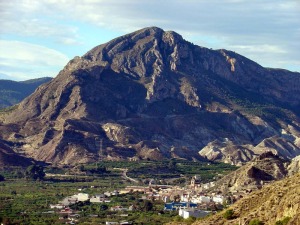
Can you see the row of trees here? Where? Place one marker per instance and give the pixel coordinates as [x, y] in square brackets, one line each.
[32, 172]
[35, 172]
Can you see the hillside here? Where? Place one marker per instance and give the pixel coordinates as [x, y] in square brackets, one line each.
[151, 94]
[13, 92]
[264, 169]
[9, 158]
[272, 203]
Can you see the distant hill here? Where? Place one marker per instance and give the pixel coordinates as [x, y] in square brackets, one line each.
[13, 92]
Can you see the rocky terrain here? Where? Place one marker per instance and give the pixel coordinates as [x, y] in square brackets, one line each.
[12, 92]
[294, 166]
[260, 171]
[153, 95]
[272, 203]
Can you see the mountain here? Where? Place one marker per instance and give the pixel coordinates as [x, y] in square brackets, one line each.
[151, 94]
[262, 170]
[274, 202]
[13, 92]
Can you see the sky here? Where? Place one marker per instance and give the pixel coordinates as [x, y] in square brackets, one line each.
[39, 37]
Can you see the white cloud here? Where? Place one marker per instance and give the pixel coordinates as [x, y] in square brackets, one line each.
[35, 19]
[259, 48]
[24, 60]
[272, 25]
[271, 55]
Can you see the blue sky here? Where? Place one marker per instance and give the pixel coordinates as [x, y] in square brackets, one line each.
[38, 37]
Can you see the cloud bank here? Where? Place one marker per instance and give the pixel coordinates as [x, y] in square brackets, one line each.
[265, 31]
[23, 61]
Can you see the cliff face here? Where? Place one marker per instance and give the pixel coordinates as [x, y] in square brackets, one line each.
[151, 94]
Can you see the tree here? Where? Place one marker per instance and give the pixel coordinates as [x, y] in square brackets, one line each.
[2, 178]
[228, 214]
[19, 174]
[35, 172]
[81, 168]
[103, 207]
[256, 222]
[177, 198]
[178, 218]
[144, 205]
[190, 220]
[147, 206]
[172, 165]
[284, 221]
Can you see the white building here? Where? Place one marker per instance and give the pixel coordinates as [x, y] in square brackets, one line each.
[185, 198]
[68, 201]
[81, 197]
[218, 199]
[57, 206]
[95, 199]
[208, 185]
[204, 199]
[186, 213]
[118, 208]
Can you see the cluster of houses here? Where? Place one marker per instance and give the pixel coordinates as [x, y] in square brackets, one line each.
[191, 200]
[81, 197]
[71, 216]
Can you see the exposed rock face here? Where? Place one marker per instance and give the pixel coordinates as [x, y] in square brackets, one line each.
[272, 203]
[230, 152]
[151, 94]
[263, 169]
[294, 167]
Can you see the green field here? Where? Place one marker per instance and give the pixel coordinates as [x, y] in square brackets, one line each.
[26, 201]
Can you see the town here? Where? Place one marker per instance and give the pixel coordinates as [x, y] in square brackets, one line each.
[194, 200]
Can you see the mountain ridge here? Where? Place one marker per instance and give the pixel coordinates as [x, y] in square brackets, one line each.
[12, 92]
[151, 94]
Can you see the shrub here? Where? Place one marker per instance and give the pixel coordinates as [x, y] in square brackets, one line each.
[190, 220]
[178, 218]
[284, 221]
[228, 215]
[256, 222]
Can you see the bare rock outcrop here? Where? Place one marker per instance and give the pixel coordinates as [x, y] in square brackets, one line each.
[262, 169]
[294, 167]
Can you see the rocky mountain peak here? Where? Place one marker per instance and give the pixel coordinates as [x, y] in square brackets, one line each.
[143, 53]
[152, 94]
